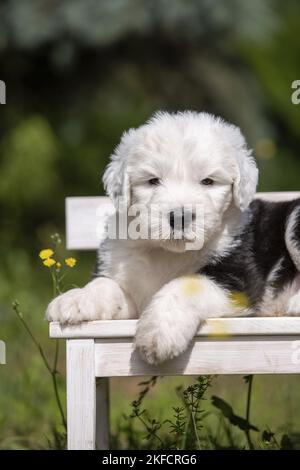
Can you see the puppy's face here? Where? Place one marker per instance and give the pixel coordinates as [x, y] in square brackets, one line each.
[185, 169]
[186, 184]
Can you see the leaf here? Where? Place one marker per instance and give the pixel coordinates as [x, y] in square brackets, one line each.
[226, 409]
[228, 413]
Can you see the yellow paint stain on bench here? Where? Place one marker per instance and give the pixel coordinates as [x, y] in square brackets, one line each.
[219, 329]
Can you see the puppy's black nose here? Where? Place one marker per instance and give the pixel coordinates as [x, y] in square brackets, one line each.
[177, 219]
[172, 219]
[180, 217]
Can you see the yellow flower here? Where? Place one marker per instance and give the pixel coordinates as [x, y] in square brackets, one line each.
[45, 254]
[70, 262]
[58, 265]
[49, 262]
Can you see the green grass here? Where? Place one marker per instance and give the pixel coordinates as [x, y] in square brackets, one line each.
[274, 401]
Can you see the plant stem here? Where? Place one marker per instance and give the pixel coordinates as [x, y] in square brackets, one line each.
[149, 429]
[52, 370]
[184, 439]
[196, 430]
[249, 395]
[53, 283]
[57, 397]
[54, 373]
[39, 347]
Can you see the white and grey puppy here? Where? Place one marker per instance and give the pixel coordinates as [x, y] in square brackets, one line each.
[248, 249]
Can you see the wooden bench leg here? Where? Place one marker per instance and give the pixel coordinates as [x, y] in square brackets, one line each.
[102, 414]
[81, 394]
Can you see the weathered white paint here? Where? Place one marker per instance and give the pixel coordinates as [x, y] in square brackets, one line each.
[279, 196]
[236, 355]
[212, 327]
[85, 218]
[81, 394]
[85, 221]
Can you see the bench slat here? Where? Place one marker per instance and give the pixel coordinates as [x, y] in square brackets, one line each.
[85, 219]
[214, 327]
[240, 355]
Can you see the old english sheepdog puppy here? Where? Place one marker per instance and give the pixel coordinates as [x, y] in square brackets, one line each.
[244, 256]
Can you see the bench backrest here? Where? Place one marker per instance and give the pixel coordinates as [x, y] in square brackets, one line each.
[85, 218]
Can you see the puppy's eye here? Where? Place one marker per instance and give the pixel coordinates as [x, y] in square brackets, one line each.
[154, 181]
[207, 182]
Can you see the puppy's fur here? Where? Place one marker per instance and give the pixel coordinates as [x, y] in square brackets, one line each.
[249, 258]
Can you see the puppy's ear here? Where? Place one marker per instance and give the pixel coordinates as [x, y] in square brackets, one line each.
[115, 178]
[245, 181]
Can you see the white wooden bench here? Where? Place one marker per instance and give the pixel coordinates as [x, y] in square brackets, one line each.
[102, 349]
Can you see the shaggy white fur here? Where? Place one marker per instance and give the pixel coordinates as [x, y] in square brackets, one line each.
[172, 161]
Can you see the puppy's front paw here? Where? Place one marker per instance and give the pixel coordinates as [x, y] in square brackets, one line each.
[156, 347]
[65, 307]
[171, 320]
[101, 299]
[158, 337]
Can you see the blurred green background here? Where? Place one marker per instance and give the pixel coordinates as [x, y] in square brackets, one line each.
[78, 73]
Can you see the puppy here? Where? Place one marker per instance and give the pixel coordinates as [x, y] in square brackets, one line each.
[245, 255]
